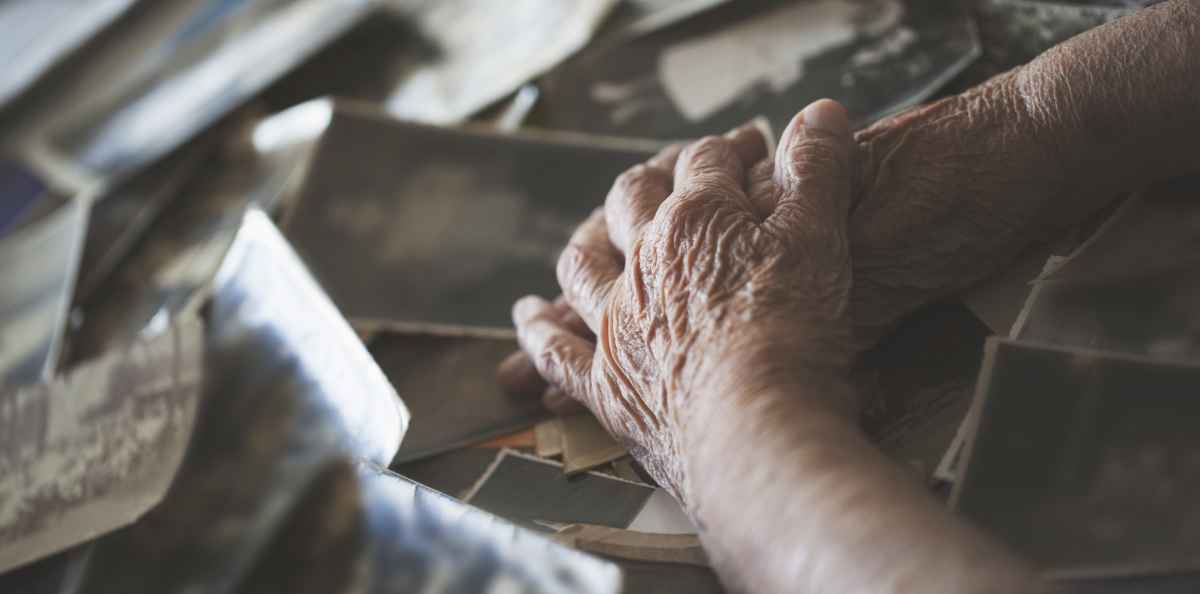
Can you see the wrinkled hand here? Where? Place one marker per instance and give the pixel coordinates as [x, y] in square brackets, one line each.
[947, 194]
[708, 270]
[943, 196]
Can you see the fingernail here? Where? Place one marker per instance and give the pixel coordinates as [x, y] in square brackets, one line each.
[827, 115]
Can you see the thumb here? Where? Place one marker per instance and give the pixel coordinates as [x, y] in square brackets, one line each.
[812, 170]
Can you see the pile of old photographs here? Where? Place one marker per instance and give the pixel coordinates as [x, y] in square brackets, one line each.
[258, 258]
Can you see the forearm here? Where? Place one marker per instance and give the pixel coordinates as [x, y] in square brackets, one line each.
[1106, 112]
[1121, 103]
[790, 497]
[949, 193]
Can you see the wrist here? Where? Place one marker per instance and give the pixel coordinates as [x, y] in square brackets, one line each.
[804, 364]
[769, 474]
[723, 417]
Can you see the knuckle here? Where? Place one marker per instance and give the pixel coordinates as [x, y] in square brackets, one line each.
[629, 179]
[556, 349]
[668, 156]
[712, 185]
[635, 196]
[578, 277]
[705, 147]
[570, 262]
[636, 180]
[682, 212]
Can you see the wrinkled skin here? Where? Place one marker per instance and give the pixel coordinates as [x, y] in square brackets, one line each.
[943, 196]
[948, 194]
[714, 246]
[706, 323]
[711, 309]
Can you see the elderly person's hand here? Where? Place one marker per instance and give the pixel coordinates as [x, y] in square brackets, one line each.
[711, 311]
[706, 325]
[708, 270]
[950, 193]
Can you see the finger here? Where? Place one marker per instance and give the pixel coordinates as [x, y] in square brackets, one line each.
[633, 201]
[749, 143]
[724, 159]
[563, 313]
[636, 195]
[709, 162]
[518, 376]
[667, 157]
[559, 403]
[587, 268]
[812, 169]
[561, 357]
[762, 189]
